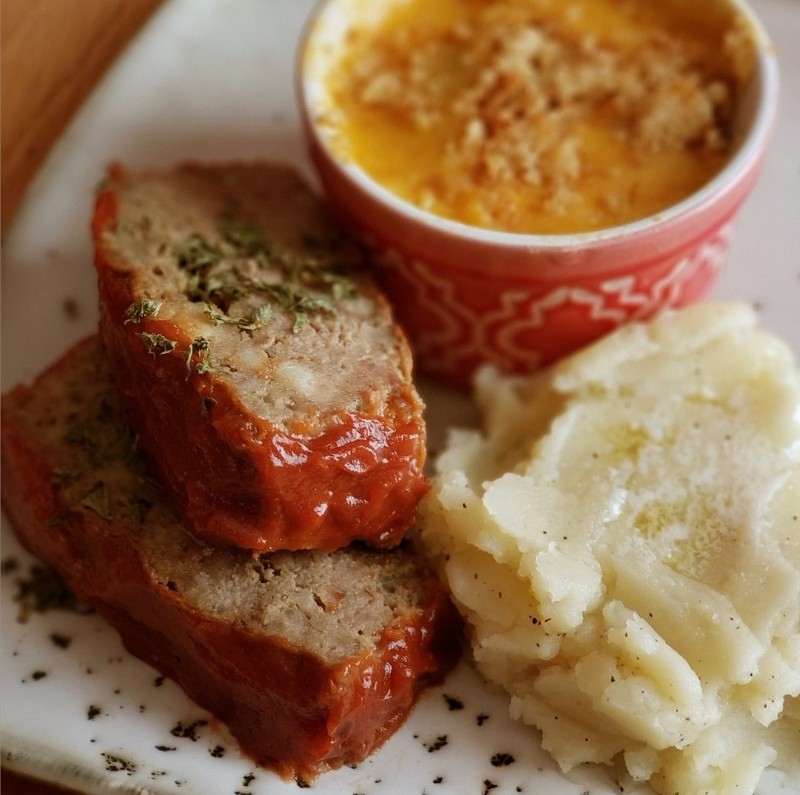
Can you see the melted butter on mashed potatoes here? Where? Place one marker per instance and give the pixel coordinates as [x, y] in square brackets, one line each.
[624, 540]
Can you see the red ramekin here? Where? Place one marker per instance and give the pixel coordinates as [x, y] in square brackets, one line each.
[468, 296]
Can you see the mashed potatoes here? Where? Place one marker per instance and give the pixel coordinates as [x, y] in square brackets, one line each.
[624, 541]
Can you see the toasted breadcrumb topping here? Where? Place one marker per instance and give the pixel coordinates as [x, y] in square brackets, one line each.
[521, 93]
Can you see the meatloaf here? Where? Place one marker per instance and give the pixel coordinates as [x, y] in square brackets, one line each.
[312, 659]
[258, 362]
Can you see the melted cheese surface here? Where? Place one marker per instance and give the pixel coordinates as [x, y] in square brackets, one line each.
[539, 115]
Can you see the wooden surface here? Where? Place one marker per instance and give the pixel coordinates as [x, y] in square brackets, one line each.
[13, 784]
[52, 53]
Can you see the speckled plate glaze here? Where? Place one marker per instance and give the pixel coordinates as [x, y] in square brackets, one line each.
[213, 79]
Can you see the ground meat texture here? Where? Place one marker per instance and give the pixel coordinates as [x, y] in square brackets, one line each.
[312, 659]
[257, 361]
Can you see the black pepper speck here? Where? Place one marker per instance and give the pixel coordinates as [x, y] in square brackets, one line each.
[439, 743]
[118, 764]
[9, 565]
[188, 731]
[71, 309]
[59, 640]
[453, 703]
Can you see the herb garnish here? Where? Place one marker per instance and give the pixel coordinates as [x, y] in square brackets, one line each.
[197, 255]
[97, 499]
[99, 444]
[44, 590]
[102, 438]
[63, 476]
[157, 344]
[259, 318]
[139, 310]
[221, 274]
[300, 301]
[200, 348]
[247, 240]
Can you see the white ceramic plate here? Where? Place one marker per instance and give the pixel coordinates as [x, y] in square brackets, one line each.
[213, 79]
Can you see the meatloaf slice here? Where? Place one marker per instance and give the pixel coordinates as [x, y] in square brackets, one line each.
[312, 659]
[258, 362]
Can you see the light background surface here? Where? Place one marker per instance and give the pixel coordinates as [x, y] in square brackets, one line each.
[214, 79]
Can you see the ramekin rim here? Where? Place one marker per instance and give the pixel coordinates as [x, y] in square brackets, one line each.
[747, 155]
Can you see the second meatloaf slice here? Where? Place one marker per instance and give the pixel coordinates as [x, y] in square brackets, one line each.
[312, 659]
[260, 366]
